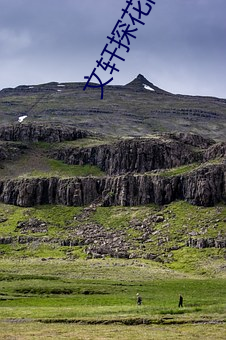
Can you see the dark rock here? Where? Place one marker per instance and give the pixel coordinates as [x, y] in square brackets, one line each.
[135, 155]
[32, 225]
[11, 151]
[204, 186]
[6, 240]
[151, 256]
[37, 132]
[215, 151]
[207, 243]
[192, 139]
[159, 218]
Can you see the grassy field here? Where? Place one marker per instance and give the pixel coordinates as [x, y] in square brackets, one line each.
[96, 299]
[38, 331]
[52, 291]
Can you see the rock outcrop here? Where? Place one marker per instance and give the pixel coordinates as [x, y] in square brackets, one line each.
[205, 186]
[215, 151]
[133, 170]
[139, 155]
[218, 242]
[191, 139]
[37, 132]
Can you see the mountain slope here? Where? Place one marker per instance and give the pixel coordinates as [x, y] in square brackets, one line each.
[130, 110]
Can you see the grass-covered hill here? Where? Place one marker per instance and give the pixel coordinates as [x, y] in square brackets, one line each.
[179, 235]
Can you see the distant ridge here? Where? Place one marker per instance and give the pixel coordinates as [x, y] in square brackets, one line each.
[139, 108]
[140, 83]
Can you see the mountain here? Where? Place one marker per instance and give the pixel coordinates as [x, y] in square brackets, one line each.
[101, 199]
[123, 176]
[139, 108]
[140, 83]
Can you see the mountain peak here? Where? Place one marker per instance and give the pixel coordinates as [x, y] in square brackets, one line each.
[141, 77]
[140, 83]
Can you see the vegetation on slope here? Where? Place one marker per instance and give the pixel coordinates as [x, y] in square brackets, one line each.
[35, 162]
[168, 240]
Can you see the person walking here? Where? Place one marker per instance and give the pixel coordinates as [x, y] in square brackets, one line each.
[180, 301]
[139, 299]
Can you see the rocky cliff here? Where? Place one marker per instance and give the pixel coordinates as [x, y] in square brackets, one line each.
[37, 132]
[134, 169]
[205, 186]
[191, 139]
[132, 155]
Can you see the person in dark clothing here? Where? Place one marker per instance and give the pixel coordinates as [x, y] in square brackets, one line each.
[180, 301]
[139, 299]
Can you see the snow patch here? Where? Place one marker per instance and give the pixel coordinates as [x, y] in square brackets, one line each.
[31, 87]
[21, 118]
[59, 90]
[61, 85]
[148, 87]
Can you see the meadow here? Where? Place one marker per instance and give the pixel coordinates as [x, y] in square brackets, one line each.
[96, 299]
[50, 291]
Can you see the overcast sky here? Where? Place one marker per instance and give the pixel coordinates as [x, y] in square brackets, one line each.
[181, 48]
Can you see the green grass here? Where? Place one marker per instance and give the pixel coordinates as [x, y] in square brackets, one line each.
[56, 217]
[180, 170]
[37, 163]
[203, 261]
[36, 331]
[119, 217]
[60, 169]
[182, 221]
[67, 291]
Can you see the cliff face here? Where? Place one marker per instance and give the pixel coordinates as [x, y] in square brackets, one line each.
[131, 155]
[35, 133]
[125, 163]
[204, 187]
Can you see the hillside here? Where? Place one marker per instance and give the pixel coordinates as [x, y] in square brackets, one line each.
[129, 172]
[83, 193]
[67, 156]
[100, 200]
[136, 109]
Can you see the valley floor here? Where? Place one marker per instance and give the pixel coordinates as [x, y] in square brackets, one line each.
[36, 331]
[96, 299]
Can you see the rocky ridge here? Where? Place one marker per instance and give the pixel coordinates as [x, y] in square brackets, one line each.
[205, 186]
[38, 132]
[130, 110]
[137, 155]
[134, 167]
